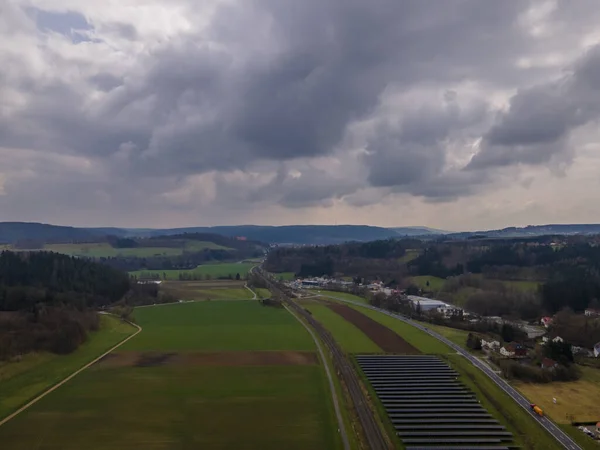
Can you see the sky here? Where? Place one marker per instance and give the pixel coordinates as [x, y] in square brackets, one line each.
[454, 114]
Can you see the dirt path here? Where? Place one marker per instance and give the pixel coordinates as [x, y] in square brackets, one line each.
[385, 338]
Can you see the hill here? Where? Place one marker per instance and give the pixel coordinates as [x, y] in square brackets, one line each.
[11, 232]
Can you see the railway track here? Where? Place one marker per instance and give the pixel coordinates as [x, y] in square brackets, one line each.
[375, 437]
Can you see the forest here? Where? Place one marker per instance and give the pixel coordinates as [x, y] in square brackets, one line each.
[48, 300]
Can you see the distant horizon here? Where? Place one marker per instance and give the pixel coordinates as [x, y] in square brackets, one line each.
[298, 224]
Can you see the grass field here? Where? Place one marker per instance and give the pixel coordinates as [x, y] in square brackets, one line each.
[410, 334]
[435, 283]
[213, 271]
[526, 430]
[180, 407]
[36, 372]
[348, 336]
[459, 337]
[105, 250]
[189, 406]
[580, 398]
[411, 253]
[343, 296]
[220, 326]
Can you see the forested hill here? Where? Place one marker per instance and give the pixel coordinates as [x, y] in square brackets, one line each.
[28, 279]
[11, 232]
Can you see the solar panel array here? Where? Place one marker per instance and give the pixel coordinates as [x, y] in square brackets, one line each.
[429, 408]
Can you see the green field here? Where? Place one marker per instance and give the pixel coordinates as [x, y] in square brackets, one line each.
[344, 296]
[435, 283]
[105, 250]
[36, 372]
[212, 271]
[219, 326]
[263, 407]
[411, 253]
[410, 334]
[122, 405]
[348, 336]
[457, 336]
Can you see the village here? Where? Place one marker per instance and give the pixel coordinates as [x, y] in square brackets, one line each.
[527, 350]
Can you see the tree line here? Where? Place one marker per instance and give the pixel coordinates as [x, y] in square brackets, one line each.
[47, 300]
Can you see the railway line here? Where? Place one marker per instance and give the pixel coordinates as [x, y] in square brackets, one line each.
[374, 435]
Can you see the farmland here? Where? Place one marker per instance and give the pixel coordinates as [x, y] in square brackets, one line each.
[237, 375]
[36, 372]
[579, 399]
[207, 290]
[344, 296]
[435, 283]
[348, 336]
[105, 250]
[412, 335]
[239, 325]
[205, 271]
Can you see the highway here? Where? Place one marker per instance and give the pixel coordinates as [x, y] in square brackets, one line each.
[555, 431]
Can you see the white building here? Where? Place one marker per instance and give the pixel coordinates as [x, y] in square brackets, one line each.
[492, 345]
[426, 304]
[448, 311]
[506, 351]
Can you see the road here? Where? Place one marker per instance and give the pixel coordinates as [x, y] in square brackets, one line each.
[555, 431]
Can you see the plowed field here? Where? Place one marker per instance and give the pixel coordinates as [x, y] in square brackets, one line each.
[385, 338]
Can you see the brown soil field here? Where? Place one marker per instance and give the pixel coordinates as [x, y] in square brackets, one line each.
[149, 359]
[385, 338]
[209, 284]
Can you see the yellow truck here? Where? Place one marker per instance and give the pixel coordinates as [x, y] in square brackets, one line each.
[536, 409]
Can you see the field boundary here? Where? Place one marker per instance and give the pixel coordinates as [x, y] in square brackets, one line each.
[334, 396]
[73, 375]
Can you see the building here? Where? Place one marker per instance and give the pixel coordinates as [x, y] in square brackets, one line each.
[449, 311]
[426, 304]
[591, 312]
[491, 345]
[548, 363]
[546, 321]
[558, 339]
[597, 350]
[513, 350]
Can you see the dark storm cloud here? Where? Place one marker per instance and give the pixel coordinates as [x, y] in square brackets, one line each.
[539, 120]
[412, 157]
[277, 82]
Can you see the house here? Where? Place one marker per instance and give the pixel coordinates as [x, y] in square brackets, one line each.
[548, 363]
[448, 311]
[491, 345]
[546, 321]
[555, 339]
[513, 350]
[597, 350]
[592, 312]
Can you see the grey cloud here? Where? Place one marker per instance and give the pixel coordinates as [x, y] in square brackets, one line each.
[539, 120]
[272, 82]
[413, 158]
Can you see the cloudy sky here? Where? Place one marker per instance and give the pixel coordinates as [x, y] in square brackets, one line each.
[455, 114]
